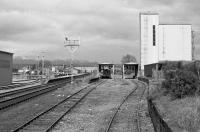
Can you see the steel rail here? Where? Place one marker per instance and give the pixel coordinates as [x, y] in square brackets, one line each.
[138, 109]
[17, 85]
[53, 125]
[56, 105]
[13, 97]
[25, 95]
[16, 91]
[118, 108]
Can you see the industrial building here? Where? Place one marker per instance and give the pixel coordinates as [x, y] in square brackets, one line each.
[163, 42]
[175, 42]
[148, 38]
[129, 70]
[6, 64]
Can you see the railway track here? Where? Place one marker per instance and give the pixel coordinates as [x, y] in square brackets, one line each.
[17, 85]
[138, 110]
[47, 119]
[17, 96]
[136, 115]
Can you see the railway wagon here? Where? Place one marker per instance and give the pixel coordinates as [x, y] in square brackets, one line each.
[106, 70]
[106, 73]
[130, 70]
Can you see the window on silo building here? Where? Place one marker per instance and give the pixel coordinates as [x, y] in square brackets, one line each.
[154, 35]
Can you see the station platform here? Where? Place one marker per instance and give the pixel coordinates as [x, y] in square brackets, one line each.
[23, 84]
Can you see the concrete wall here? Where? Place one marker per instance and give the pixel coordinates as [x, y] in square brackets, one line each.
[158, 123]
[175, 42]
[148, 52]
[6, 64]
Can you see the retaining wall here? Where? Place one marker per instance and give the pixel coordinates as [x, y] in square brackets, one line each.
[158, 123]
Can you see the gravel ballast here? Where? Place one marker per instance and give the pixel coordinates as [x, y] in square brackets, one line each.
[15, 116]
[94, 112]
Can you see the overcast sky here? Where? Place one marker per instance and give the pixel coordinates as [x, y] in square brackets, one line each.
[108, 29]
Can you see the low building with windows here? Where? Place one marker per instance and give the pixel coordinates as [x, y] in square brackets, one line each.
[6, 66]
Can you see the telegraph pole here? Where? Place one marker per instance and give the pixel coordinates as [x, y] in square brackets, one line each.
[43, 65]
[38, 66]
[195, 38]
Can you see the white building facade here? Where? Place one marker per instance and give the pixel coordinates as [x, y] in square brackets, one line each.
[161, 42]
[148, 38]
[175, 42]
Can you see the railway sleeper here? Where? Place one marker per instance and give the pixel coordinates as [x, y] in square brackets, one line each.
[34, 128]
[75, 100]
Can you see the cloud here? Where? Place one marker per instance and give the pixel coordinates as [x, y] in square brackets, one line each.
[108, 29]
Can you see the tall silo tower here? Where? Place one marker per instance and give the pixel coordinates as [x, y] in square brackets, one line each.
[149, 23]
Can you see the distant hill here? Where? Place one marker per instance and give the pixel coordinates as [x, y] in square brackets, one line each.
[19, 62]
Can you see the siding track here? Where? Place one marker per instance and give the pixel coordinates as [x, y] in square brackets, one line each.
[17, 96]
[46, 120]
[135, 114]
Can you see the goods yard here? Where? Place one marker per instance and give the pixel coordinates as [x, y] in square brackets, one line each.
[49, 94]
[89, 104]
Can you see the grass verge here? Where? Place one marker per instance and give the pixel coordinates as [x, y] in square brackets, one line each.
[182, 115]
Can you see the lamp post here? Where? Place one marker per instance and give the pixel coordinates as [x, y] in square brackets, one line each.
[72, 45]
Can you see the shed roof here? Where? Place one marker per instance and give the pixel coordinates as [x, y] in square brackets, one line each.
[131, 63]
[106, 64]
[175, 24]
[4, 52]
[148, 13]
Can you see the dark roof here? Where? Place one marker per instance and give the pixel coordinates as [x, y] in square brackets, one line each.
[6, 52]
[148, 13]
[151, 64]
[106, 64]
[164, 61]
[131, 63]
[175, 24]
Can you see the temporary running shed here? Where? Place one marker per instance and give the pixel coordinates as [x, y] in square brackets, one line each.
[130, 70]
[106, 66]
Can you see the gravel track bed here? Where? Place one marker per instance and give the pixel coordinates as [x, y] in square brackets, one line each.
[126, 119]
[12, 117]
[94, 112]
[145, 120]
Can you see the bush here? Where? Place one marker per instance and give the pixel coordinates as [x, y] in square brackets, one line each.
[193, 67]
[180, 83]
